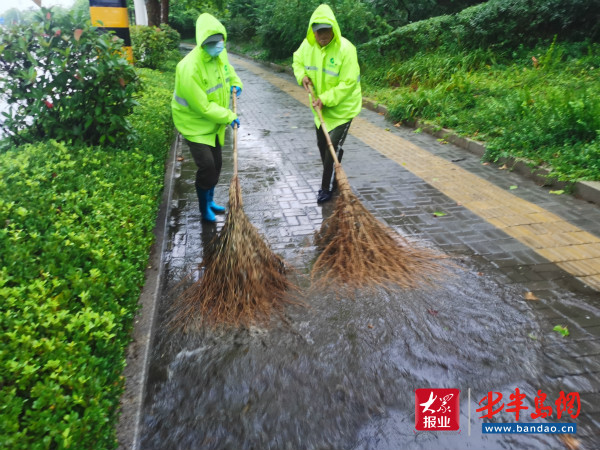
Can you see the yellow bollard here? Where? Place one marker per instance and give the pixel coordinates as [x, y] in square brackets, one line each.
[111, 15]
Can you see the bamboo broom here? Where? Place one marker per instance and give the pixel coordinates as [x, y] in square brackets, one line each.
[243, 282]
[357, 251]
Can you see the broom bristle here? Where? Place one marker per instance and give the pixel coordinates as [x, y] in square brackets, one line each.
[360, 252]
[243, 282]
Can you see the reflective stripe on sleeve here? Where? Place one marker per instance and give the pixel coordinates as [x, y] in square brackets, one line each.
[181, 101]
[333, 74]
[311, 68]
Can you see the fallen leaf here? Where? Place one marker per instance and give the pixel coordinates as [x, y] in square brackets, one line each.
[180, 158]
[530, 296]
[532, 336]
[370, 325]
[504, 167]
[439, 214]
[513, 187]
[486, 163]
[433, 312]
[561, 330]
[387, 129]
[480, 274]
[398, 125]
[570, 442]
[560, 192]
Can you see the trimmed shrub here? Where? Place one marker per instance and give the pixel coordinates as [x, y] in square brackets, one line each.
[76, 232]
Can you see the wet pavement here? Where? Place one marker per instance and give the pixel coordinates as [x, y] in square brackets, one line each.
[341, 373]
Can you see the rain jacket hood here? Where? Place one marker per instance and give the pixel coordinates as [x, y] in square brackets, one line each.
[206, 26]
[333, 71]
[200, 104]
[323, 14]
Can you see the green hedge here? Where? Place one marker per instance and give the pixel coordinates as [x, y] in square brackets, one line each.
[77, 228]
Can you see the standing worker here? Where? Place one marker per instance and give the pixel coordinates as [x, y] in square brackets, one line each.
[204, 80]
[328, 62]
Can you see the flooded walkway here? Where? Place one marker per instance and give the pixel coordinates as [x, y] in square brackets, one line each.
[342, 373]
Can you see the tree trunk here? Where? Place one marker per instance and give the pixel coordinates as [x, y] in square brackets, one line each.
[153, 9]
[164, 11]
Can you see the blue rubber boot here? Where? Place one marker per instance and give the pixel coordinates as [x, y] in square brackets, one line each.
[216, 208]
[203, 201]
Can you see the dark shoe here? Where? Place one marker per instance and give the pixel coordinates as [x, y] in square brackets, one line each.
[323, 196]
[216, 208]
[205, 210]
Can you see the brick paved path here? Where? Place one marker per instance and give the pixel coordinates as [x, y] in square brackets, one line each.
[523, 239]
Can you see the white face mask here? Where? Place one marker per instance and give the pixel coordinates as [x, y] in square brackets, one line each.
[214, 50]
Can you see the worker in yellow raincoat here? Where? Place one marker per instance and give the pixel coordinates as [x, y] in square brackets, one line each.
[204, 80]
[328, 61]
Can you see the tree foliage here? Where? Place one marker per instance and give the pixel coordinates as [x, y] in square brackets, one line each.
[281, 25]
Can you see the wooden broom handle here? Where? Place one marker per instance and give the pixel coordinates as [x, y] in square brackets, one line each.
[331, 148]
[235, 163]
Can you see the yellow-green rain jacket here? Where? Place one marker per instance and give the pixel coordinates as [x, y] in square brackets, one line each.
[200, 103]
[333, 70]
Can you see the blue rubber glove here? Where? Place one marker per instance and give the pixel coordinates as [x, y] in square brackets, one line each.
[238, 89]
[235, 122]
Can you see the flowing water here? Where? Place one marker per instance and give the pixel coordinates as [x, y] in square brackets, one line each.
[341, 373]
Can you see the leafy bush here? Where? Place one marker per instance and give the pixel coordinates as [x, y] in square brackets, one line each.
[154, 46]
[76, 230]
[65, 81]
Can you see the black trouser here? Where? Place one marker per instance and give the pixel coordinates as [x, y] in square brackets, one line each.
[209, 160]
[337, 136]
